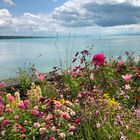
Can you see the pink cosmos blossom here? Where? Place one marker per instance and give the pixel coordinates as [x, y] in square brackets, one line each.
[23, 130]
[26, 102]
[9, 110]
[16, 117]
[52, 138]
[21, 105]
[127, 77]
[5, 122]
[40, 76]
[11, 98]
[98, 59]
[17, 126]
[34, 112]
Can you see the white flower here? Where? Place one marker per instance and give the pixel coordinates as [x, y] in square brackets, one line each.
[127, 87]
[72, 113]
[62, 135]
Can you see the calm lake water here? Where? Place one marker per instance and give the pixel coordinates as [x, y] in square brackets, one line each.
[14, 53]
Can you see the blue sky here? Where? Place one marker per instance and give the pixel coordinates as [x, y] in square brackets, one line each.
[46, 17]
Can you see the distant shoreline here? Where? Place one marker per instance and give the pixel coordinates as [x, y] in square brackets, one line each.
[22, 37]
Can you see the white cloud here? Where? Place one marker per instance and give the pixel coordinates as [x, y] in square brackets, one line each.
[9, 2]
[87, 16]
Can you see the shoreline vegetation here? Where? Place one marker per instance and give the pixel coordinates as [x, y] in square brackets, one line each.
[96, 99]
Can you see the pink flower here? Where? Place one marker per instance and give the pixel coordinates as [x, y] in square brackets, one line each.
[127, 77]
[36, 125]
[23, 130]
[2, 84]
[5, 122]
[78, 121]
[23, 136]
[120, 63]
[21, 105]
[26, 102]
[34, 112]
[58, 105]
[16, 117]
[52, 138]
[40, 76]
[8, 110]
[11, 98]
[98, 59]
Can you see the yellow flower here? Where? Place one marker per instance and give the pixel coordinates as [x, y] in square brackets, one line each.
[8, 95]
[7, 106]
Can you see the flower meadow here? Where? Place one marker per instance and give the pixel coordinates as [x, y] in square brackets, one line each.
[94, 99]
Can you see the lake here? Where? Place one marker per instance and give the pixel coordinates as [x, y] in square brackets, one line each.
[45, 52]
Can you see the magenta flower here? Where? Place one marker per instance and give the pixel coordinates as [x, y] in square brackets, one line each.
[34, 112]
[40, 76]
[11, 98]
[26, 102]
[21, 106]
[127, 77]
[98, 59]
[16, 117]
[5, 122]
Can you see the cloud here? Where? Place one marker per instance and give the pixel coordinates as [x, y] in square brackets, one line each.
[104, 13]
[87, 16]
[9, 2]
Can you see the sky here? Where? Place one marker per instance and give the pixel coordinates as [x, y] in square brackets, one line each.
[80, 17]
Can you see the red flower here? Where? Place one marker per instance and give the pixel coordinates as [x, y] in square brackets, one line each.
[78, 121]
[98, 59]
[5, 122]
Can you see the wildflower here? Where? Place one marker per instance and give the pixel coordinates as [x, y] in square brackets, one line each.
[21, 105]
[5, 122]
[17, 97]
[34, 112]
[3, 133]
[9, 110]
[40, 76]
[120, 63]
[23, 130]
[11, 98]
[98, 125]
[16, 117]
[2, 84]
[53, 128]
[17, 126]
[26, 102]
[36, 125]
[72, 113]
[58, 105]
[127, 87]
[123, 138]
[52, 138]
[72, 128]
[98, 59]
[42, 130]
[138, 131]
[127, 77]
[62, 135]
[78, 121]
[92, 76]
[1, 108]
[23, 136]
